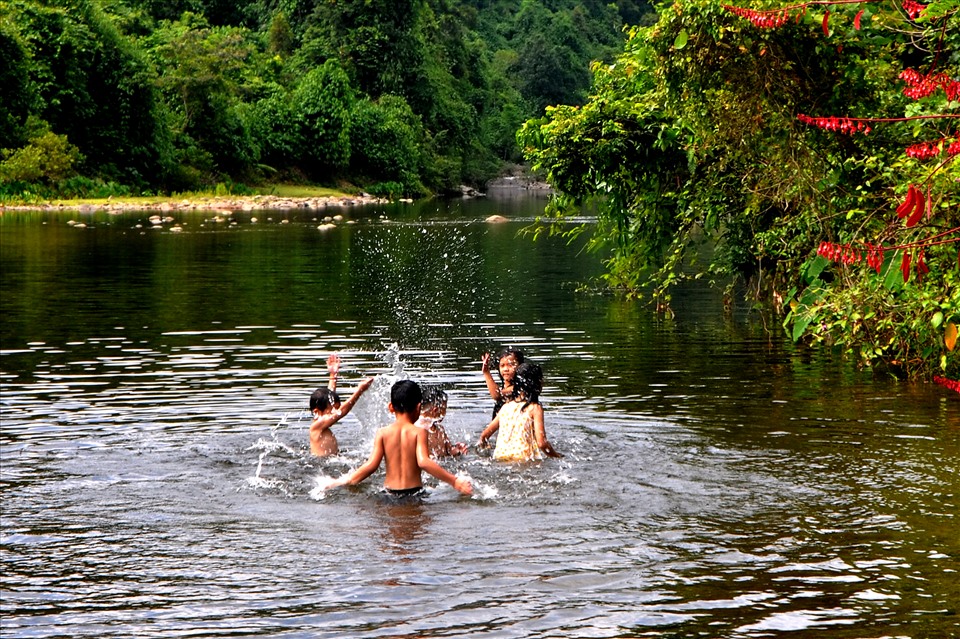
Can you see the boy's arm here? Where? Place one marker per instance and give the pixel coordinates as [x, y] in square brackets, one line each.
[541, 432]
[333, 367]
[322, 423]
[491, 428]
[449, 448]
[492, 387]
[368, 468]
[426, 463]
[347, 405]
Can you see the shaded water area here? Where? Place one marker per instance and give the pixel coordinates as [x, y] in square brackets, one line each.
[156, 479]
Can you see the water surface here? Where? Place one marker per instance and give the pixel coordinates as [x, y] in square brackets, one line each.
[717, 481]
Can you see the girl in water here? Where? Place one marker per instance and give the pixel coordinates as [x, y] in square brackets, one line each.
[520, 421]
[507, 362]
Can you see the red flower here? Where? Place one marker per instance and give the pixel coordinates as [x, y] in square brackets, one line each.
[913, 9]
[953, 385]
[833, 123]
[922, 268]
[924, 150]
[920, 86]
[762, 19]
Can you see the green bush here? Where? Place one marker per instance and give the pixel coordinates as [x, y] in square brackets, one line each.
[46, 158]
[322, 104]
[386, 138]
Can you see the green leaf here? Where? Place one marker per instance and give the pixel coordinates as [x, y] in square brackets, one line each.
[813, 268]
[800, 325]
[681, 40]
[937, 319]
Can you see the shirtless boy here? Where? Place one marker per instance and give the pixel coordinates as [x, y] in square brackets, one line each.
[404, 445]
[327, 410]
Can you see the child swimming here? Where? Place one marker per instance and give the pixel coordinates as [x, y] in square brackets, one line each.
[433, 409]
[327, 410]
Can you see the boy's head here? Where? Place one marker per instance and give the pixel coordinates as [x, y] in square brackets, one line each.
[434, 402]
[324, 400]
[405, 398]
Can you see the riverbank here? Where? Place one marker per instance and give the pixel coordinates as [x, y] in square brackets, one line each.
[206, 203]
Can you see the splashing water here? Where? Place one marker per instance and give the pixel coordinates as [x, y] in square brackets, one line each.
[323, 483]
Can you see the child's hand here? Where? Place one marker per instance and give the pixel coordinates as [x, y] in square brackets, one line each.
[485, 363]
[458, 449]
[463, 486]
[365, 384]
[483, 443]
[333, 365]
[550, 451]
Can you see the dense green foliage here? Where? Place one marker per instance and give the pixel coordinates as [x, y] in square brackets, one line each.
[166, 96]
[691, 145]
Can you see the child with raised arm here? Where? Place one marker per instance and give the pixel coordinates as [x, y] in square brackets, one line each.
[433, 408]
[327, 410]
[404, 446]
[520, 422]
[507, 362]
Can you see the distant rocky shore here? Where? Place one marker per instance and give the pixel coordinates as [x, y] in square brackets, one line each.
[231, 203]
[518, 184]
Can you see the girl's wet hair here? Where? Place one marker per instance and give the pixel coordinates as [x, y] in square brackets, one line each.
[516, 352]
[322, 399]
[405, 396]
[528, 383]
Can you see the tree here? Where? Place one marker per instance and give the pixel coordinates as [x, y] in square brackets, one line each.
[46, 158]
[202, 76]
[692, 142]
[90, 83]
[16, 100]
[385, 142]
[322, 104]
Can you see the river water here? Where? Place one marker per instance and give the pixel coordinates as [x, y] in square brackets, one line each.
[718, 481]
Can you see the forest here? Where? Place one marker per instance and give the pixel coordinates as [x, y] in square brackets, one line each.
[411, 97]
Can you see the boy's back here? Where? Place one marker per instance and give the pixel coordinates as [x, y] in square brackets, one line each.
[404, 445]
[400, 441]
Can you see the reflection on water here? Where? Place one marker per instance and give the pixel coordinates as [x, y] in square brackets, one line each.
[156, 477]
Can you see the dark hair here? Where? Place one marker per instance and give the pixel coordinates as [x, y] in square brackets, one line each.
[432, 395]
[405, 396]
[528, 381]
[516, 352]
[323, 398]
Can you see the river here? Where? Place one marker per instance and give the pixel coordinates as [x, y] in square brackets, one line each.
[718, 481]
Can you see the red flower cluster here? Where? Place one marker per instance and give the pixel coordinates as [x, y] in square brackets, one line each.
[847, 254]
[952, 384]
[920, 266]
[920, 86]
[762, 19]
[924, 150]
[843, 125]
[913, 9]
[843, 253]
[928, 150]
[875, 257]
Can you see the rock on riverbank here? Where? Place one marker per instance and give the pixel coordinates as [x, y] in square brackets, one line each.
[247, 203]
